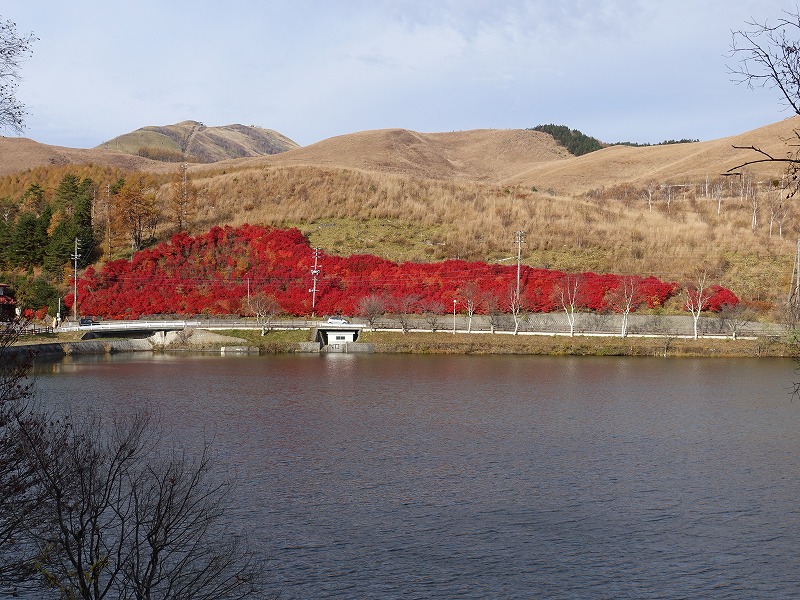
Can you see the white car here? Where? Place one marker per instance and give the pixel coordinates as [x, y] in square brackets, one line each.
[338, 321]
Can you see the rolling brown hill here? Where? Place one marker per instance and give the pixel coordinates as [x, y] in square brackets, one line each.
[195, 142]
[674, 163]
[495, 157]
[21, 154]
[532, 159]
[188, 140]
[483, 155]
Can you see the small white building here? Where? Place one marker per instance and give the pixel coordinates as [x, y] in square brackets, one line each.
[341, 337]
[336, 336]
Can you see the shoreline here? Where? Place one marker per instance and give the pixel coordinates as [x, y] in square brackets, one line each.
[443, 342]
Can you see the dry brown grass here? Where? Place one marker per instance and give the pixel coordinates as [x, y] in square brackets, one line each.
[462, 343]
[485, 155]
[676, 163]
[21, 154]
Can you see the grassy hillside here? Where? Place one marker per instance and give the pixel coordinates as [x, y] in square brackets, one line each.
[193, 141]
[660, 210]
[21, 155]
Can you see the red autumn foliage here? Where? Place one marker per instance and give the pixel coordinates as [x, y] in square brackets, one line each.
[210, 274]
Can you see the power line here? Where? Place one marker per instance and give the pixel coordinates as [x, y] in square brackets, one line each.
[314, 273]
[75, 257]
[519, 235]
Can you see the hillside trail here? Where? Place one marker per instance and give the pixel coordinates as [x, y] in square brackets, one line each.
[189, 138]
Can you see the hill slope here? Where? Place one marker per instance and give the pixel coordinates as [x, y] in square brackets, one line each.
[484, 155]
[22, 154]
[533, 159]
[514, 157]
[193, 141]
[674, 163]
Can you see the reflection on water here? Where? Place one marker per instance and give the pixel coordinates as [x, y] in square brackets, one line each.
[479, 477]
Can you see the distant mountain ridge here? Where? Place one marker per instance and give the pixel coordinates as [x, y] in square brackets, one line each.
[535, 159]
[506, 157]
[192, 141]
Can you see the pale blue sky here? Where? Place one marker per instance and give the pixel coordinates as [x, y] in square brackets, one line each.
[619, 70]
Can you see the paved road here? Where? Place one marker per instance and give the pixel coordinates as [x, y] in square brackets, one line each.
[537, 323]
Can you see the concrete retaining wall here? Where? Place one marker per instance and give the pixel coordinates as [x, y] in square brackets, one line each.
[310, 346]
[359, 347]
[56, 349]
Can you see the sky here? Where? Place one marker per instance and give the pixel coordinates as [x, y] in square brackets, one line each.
[619, 70]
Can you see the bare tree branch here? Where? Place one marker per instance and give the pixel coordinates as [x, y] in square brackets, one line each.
[20, 498]
[13, 51]
[769, 57]
[127, 518]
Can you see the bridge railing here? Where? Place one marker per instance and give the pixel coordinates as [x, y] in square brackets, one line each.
[552, 323]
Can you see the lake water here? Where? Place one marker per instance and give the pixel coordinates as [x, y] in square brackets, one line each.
[385, 476]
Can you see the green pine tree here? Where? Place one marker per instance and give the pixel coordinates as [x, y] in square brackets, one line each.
[42, 237]
[73, 200]
[23, 241]
[5, 244]
[60, 248]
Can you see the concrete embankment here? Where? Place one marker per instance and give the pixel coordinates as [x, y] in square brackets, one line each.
[192, 340]
[58, 349]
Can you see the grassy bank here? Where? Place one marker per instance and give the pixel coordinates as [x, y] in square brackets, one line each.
[273, 342]
[461, 343]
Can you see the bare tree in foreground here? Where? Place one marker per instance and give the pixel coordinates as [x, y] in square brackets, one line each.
[13, 50]
[734, 318]
[494, 314]
[19, 490]
[127, 519]
[404, 308]
[514, 305]
[432, 311]
[768, 58]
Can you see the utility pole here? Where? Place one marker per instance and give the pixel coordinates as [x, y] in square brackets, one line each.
[519, 235]
[314, 274]
[74, 257]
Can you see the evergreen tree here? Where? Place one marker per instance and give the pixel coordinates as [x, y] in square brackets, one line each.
[42, 237]
[66, 195]
[82, 222]
[5, 244]
[60, 247]
[39, 293]
[23, 240]
[574, 141]
[73, 200]
[33, 198]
